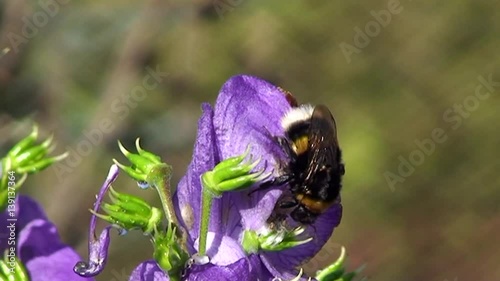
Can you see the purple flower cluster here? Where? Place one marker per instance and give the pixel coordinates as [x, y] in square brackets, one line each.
[248, 110]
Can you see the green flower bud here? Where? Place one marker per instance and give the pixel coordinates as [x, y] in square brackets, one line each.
[275, 240]
[28, 157]
[130, 212]
[168, 252]
[25, 157]
[148, 169]
[143, 163]
[232, 175]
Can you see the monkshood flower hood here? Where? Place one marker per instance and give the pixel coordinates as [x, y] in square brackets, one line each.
[247, 113]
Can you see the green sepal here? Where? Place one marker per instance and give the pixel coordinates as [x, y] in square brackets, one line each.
[24, 143]
[40, 165]
[132, 172]
[31, 154]
[146, 154]
[4, 192]
[128, 202]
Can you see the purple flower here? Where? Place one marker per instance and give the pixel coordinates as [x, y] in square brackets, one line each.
[247, 112]
[243, 269]
[38, 245]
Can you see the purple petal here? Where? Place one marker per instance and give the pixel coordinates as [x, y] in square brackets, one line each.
[98, 255]
[249, 111]
[291, 258]
[245, 269]
[148, 271]
[98, 247]
[31, 211]
[39, 246]
[222, 250]
[188, 195]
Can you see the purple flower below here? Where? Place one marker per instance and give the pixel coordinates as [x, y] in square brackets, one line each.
[39, 247]
[245, 269]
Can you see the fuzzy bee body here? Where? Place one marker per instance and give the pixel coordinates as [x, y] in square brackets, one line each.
[314, 168]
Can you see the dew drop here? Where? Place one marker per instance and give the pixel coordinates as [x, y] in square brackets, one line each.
[143, 185]
[122, 231]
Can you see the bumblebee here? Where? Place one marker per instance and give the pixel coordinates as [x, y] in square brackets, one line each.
[314, 167]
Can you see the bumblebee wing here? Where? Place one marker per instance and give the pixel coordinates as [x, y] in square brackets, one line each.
[323, 125]
[324, 152]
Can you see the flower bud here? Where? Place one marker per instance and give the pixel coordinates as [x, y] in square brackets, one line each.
[232, 175]
[274, 240]
[28, 157]
[25, 157]
[168, 252]
[130, 212]
[143, 163]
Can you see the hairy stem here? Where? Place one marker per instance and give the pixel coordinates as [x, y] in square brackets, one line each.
[206, 205]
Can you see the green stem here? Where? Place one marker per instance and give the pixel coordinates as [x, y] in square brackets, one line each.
[174, 277]
[162, 185]
[161, 181]
[206, 205]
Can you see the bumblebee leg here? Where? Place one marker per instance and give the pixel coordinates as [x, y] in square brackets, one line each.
[280, 180]
[286, 146]
[287, 204]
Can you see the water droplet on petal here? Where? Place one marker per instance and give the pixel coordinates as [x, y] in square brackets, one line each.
[200, 260]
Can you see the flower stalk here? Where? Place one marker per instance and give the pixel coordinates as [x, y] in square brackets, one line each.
[231, 174]
[149, 171]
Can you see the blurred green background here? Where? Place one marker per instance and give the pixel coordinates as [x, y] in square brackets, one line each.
[73, 64]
